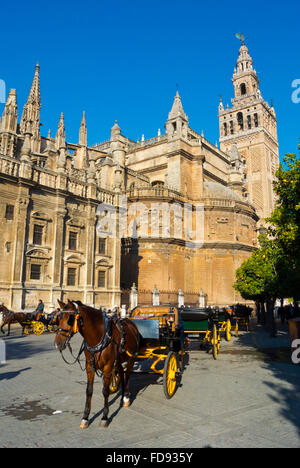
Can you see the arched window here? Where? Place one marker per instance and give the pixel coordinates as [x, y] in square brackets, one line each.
[158, 184]
[240, 120]
[225, 129]
[243, 89]
[256, 120]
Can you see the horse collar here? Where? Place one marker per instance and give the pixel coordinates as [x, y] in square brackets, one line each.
[105, 341]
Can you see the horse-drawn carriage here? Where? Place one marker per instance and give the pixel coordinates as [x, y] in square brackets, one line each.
[112, 346]
[30, 322]
[203, 325]
[162, 335]
[241, 315]
[40, 323]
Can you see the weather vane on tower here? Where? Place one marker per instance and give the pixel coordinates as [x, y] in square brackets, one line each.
[241, 37]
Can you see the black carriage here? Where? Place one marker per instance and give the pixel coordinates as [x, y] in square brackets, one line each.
[241, 315]
[162, 333]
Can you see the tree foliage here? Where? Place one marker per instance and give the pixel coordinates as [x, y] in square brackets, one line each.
[273, 270]
[257, 278]
[285, 225]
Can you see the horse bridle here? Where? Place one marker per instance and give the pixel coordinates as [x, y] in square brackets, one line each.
[74, 327]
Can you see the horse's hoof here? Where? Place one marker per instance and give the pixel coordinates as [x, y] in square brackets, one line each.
[104, 423]
[84, 424]
[126, 402]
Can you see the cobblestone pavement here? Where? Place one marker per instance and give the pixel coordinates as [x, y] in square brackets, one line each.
[249, 397]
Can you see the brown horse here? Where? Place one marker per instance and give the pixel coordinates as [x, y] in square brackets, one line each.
[8, 317]
[109, 345]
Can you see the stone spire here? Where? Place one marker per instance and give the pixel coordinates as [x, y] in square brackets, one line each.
[118, 156]
[10, 113]
[244, 62]
[221, 106]
[81, 155]
[245, 79]
[61, 134]
[177, 123]
[235, 157]
[31, 111]
[115, 132]
[60, 143]
[177, 109]
[8, 126]
[83, 131]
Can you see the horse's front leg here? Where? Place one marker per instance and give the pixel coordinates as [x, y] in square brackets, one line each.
[105, 392]
[90, 372]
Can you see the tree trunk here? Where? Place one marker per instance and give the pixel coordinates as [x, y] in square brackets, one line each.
[271, 324]
[262, 314]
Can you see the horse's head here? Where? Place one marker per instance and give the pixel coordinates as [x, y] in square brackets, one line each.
[68, 325]
[61, 304]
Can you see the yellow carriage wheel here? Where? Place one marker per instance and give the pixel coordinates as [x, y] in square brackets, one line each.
[170, 375]
[114, 381]
[215, 342]
[236, 328]
[38, 328]
[228, 331]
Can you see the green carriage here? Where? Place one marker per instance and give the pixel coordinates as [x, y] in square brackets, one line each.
[202, 325]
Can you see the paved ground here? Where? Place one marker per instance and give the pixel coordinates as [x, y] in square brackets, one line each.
[249, 397]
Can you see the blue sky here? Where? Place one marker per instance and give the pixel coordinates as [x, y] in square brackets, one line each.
[122, 60]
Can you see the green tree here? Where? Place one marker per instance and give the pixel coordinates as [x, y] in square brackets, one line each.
[273, 270]
[257, 279]
[285, 226]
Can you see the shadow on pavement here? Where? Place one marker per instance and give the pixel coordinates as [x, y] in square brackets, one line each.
[12, 375]
[276, 356]
[22, 347]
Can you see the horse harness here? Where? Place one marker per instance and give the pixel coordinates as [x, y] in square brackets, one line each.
[103, 344]
[6, 314]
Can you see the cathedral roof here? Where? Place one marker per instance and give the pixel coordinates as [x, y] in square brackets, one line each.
[215, 190]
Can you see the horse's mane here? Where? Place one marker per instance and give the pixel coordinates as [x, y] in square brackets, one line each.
[91, 309]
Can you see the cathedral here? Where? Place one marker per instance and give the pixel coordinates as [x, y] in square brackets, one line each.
[171, 217]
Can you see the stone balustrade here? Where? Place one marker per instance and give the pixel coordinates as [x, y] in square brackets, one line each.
[72, 181]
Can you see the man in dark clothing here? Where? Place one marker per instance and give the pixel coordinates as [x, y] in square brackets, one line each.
[40, 308]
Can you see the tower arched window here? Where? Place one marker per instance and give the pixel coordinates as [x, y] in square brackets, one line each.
[225, 129]
[256, 120]
[243, 89]
[240, 120]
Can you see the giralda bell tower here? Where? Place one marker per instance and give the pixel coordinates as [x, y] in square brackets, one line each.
[251, 124]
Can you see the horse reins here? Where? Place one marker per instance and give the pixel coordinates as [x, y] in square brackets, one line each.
[69, 336]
